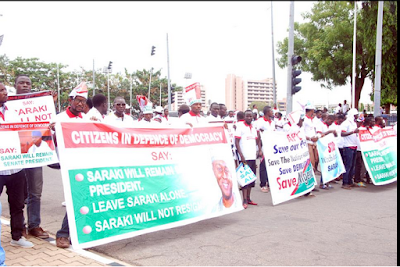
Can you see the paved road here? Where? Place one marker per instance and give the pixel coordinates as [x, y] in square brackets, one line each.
[337, 227]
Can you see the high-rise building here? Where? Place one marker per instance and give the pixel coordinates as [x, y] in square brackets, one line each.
[240, 93]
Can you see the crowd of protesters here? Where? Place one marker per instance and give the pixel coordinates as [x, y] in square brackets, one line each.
[24, 186]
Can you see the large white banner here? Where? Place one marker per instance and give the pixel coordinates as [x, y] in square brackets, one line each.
[290, 173]
[32, 107]
[330, 159]
[26, 142]
[379, 151]
[124, 182]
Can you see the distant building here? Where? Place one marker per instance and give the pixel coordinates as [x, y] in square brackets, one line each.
[239, 93]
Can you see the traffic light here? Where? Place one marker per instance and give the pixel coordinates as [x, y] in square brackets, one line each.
[295, 73]
[153, 50]
[172, 94]
[109, 65]
[172, 97]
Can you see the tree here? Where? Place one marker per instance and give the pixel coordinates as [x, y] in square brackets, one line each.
[260, 105]
[325, 43]
[389, 48]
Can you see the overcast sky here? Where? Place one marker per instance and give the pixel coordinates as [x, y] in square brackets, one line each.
[209, 39]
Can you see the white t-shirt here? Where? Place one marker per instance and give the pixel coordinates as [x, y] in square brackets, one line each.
[338, 109]
[319, 126]
[280, 122]
[212, 118]
[192, 118]
[309, 128]
[93, 112]
[345, 108]
[248, 140]
[125, 121]
[262, 124]
[339, 138]
[350, 140]
[67, 116]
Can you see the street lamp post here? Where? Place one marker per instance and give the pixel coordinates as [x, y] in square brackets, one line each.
[108, 70]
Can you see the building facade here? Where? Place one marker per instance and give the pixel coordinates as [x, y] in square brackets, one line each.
[239, 93]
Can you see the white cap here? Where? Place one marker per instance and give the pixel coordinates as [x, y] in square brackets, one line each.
[158, 109]
[194, 101]
[352, 112]
[148, 109]
[309, 106]
[80, 90]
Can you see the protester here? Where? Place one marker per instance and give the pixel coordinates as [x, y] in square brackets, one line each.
[339, 109]
[88, 105]
[311, 136]
[322, 131]
[265, 124]
[359, 170]
[147, 114]
[73, 113]
[2, 252]
[231, 115]
[193, 117]
[345, 107]
[214, 113]
[34, 176]
[158, 114]
[118, 117]
[279, 122]
[166, 115]
[222, 111]
[246, 140]
[99, 109]
[349, 130]
[15, 182]
[183, 109]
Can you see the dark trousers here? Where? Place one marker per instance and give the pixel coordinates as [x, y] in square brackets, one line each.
[359, 171]
[64, 231]
[349, 163]
[263, 174]
[15, 184]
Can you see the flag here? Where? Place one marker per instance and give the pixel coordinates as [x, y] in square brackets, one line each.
[142, 100]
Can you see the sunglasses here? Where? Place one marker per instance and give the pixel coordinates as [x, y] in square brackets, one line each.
[119, 105]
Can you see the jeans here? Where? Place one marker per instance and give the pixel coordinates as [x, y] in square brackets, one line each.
[34, 181]
[359, 169]
[15, 184]
[263, 173]
[64, 231]
[349, 163]
[2, 252]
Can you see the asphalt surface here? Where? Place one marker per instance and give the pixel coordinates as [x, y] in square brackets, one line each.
[337, 227]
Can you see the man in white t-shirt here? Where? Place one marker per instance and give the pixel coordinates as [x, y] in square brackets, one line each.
[339, 109]
[118, 117]
[193, 117]
[349, 134]
[73, 113]
[214, 113]
[99, 109]
[279, 122]
[246, 141]
[345, 107]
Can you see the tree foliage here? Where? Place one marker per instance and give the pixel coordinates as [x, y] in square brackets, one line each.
[325, 42]
[44, 77]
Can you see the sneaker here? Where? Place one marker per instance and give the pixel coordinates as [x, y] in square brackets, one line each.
[330, 186]
[38, 232]
[64, 204]
[264, 189]
[62, 242]
[22, 242]
[24, 234]
[360, 184]
[323, 186]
